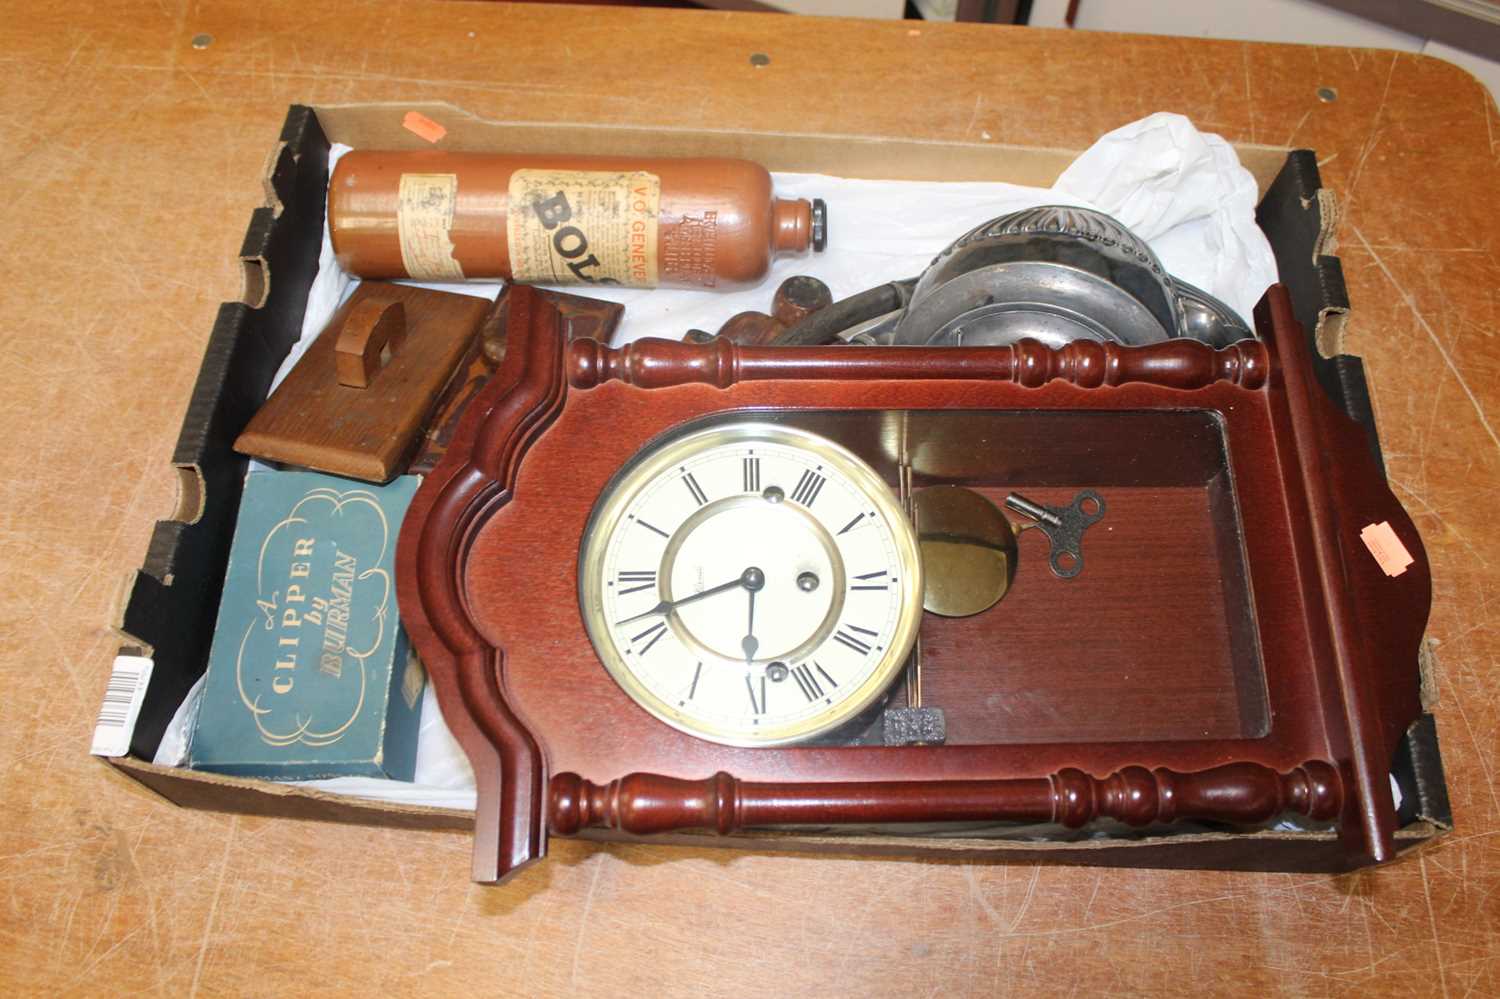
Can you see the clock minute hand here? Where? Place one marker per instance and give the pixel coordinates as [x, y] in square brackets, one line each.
[667, 606]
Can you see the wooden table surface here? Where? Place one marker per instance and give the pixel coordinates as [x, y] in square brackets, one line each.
[131, 164]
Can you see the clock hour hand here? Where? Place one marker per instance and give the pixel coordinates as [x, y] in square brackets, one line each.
[750, 643]
[751, 578]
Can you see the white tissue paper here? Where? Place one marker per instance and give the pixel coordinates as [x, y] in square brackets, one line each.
[1181, 190]
[1184, 192]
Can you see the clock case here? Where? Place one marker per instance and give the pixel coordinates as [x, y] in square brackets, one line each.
[1232, 654]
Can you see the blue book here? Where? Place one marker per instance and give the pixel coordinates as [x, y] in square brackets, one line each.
[311, 674]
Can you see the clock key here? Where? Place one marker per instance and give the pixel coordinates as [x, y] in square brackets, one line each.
[1064, 527]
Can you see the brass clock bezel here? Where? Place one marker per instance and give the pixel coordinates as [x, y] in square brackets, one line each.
[644, 469]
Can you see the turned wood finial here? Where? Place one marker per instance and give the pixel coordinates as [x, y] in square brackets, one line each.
[1242, 793]
[1178, 364]
[653, 363]
[643, 803]
[1181, 364]
[1238, 793]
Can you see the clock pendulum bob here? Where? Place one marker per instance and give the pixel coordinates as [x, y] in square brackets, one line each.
[968, 550]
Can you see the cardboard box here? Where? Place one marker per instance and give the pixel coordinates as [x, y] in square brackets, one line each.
[171, 605]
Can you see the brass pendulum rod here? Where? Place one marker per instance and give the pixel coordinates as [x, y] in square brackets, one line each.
[903, 489]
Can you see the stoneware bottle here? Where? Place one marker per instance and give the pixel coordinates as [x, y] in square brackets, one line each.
[442, 216]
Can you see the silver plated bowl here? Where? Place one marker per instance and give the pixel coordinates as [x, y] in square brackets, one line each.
[1054, 274]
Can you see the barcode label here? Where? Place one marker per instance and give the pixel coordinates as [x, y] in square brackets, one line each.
[122, 705]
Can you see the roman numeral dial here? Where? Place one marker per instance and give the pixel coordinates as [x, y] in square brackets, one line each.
[750, 583]
[635, 582]
[647, 638]
[694, 490]
[809, 485]
[811, 680]
[854, 637]
[750, 467]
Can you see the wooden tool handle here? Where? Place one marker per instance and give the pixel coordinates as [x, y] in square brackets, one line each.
[1238, 793]
[1181, 364]
[373, 333]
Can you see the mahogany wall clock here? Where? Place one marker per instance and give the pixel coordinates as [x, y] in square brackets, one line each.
[676, 586]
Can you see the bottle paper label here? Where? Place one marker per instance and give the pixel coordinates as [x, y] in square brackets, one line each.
[584, 227]
[424, 220]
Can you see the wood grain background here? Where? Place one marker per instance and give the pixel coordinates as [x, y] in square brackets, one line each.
[129, 169]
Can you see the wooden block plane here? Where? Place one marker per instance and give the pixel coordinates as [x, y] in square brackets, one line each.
[357, 402]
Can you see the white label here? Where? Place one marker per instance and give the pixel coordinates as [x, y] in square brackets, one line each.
[424, 223]
[122, 705]
[583, 227]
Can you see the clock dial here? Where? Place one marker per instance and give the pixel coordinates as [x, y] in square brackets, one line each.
[751, 584]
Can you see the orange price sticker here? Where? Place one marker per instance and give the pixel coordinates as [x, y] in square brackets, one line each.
[419, 124]
[1388, 550]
